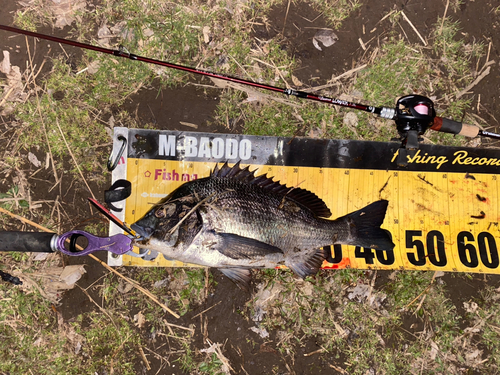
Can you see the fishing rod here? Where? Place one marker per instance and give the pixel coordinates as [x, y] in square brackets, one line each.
[122, 52]
[413, 114]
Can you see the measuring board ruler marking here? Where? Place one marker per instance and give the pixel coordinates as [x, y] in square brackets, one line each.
[442, 214]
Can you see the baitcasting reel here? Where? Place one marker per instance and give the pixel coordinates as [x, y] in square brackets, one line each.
[414, 115]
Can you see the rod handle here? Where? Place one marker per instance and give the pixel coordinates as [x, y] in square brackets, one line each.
[37, 242]
[454, 127]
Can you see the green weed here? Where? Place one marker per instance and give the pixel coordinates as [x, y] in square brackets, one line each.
[30, 332]
[338, 13]
[211, 366]
[12, 199]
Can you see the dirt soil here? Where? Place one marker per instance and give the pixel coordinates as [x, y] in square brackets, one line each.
[167, 108]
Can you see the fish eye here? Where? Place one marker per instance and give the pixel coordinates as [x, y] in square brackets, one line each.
[160, 213]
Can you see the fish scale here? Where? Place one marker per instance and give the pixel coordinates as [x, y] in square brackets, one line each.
[271, 224]
[235, 221]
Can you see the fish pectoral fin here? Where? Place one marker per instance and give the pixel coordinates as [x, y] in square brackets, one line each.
[240, 276]
[238, 247]
[309, 267]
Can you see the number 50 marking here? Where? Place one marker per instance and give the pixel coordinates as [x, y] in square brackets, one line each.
[434, 250]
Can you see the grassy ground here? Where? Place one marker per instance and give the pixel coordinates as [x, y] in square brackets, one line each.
[360, 325]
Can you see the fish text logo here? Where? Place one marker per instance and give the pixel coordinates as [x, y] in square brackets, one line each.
[460, 157]
[423, 159]
[173, 175]
[217, 148]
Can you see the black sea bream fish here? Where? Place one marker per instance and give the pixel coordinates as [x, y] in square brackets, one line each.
[235, 221]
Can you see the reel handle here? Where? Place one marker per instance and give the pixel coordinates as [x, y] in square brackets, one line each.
[446, 125]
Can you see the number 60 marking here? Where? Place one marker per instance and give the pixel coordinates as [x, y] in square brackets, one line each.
[487, 250]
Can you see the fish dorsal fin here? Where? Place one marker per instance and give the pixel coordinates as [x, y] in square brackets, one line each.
[301, 196]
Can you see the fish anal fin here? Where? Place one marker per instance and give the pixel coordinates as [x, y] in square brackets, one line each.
[240, 276]
[238, 247]
[310, 266]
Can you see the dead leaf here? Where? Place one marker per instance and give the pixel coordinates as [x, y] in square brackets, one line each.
[104, 32]
[263, 298]
[34, 160]
[324, 36]
[71, 274]
[434, 350]
[471, 307]
[64, 11]
[140, 320]
[51, 282]
[14, 88]
[41, 256]
[124, 287]
[296, 81]
[351, 120]
[93, 67]
[206, 34]
[5, 65]
[262, 332]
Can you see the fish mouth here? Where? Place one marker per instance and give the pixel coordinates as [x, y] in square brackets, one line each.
[144, 232]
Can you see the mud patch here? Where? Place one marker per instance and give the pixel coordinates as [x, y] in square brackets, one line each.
[190, 108]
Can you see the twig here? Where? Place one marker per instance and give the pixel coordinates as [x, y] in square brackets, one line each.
[74, 160]
[24, 220]
[41, 117]
[273, 65]
[362, 44]
[488, 54]
[140, 288]
[486, 64]
[191, 125]
[204, 311]
[168, 353]
[444, 17]
[115, 353]
[321, 350]
[424, 291]
[190, 212]
[386, 16]
[144, 359]
[207, 277]
[339, 369]
[12, 199]
[98, 306]
[286, 16]
[220, 356]
[414, 28]
[476, 81]
[178, 326]
[242, 68]
[7, 95]
[331, 82]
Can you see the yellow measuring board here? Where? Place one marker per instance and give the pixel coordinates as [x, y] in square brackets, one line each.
[442, 215]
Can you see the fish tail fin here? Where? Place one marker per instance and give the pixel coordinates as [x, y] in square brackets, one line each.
[364, 225]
